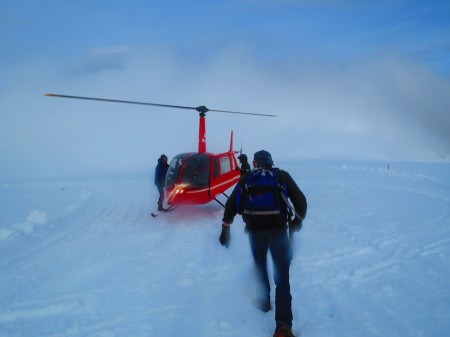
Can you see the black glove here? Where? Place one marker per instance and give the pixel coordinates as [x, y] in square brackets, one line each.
[225, 236]
[295, 224]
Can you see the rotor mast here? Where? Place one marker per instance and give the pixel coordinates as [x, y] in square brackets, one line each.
[202, 128]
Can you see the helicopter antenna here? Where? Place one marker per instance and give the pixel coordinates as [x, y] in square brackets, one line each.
[231, 142]
[201, 109]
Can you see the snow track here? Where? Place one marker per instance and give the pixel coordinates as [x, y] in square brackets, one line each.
[85, 258]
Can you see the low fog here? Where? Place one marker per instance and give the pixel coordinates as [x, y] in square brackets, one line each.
[380, 106]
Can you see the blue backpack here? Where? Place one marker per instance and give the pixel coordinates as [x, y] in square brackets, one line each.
[261, 195]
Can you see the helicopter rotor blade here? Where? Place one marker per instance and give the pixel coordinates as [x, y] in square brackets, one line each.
[119, 101]
[201, 109]
[243, 113]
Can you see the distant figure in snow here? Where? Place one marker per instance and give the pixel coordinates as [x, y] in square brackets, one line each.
[160, 179]
[245, 166]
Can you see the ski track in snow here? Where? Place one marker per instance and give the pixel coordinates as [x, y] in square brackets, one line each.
[85, 258]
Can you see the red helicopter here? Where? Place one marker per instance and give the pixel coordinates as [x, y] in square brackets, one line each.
[194, 177]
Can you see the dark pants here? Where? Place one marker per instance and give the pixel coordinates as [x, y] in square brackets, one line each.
[278, 244]
[161, 194]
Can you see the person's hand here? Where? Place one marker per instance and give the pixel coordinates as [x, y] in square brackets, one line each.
[225, 235]
[295, 225]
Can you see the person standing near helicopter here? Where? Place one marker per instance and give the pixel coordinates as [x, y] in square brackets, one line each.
[160, 179]
[245, 166]
[262, 198]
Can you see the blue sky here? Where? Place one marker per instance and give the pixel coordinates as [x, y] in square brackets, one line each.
[339, 29]
[348, 80]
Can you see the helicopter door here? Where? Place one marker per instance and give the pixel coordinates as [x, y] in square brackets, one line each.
[174, 169]
[225, 172]
[226, 165]
[195, 172]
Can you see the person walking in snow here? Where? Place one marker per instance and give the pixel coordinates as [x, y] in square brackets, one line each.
[245, 166]
[262, 198]
[160, 179]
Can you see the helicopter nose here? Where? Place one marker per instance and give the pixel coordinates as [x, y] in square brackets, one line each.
[175, 194]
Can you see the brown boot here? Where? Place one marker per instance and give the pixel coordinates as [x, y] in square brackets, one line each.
[283, 331]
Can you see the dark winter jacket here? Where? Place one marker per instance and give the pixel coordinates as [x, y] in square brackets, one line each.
[295, 195]
[245, 167]
[161, 172]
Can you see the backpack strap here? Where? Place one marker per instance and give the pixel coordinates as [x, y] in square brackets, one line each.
[247, 212]
[291, 208]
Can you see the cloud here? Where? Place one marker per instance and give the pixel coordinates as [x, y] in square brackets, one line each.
[383, 106]
[101, 59]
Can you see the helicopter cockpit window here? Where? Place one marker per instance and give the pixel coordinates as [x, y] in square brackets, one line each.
[196, 170]
[225, 166]
[174, 169]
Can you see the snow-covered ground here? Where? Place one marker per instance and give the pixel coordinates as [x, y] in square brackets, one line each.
[85, 258]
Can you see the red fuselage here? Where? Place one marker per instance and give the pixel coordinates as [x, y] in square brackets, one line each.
[197, 178]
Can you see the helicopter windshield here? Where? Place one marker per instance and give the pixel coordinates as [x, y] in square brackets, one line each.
[196, 170]
[174, 169]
